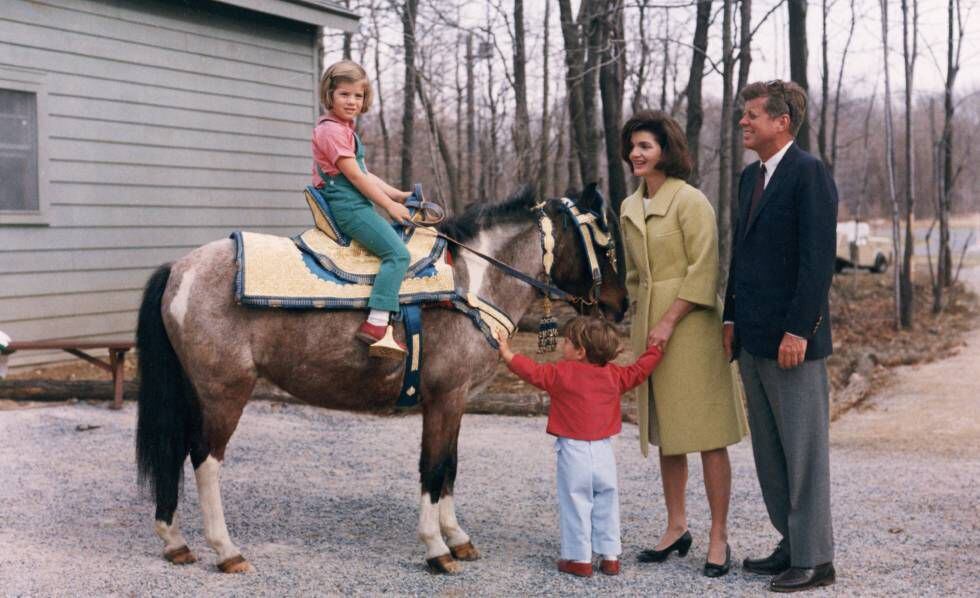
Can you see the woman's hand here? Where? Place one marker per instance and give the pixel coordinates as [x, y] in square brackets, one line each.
[399, 213]
[660, 334]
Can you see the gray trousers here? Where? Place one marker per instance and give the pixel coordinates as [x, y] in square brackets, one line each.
[789, 416]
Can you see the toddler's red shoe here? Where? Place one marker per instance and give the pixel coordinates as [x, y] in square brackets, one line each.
[382, 341]
[575, 568]
[609, 567]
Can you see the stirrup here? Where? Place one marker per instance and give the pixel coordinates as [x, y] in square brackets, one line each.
[387, 347]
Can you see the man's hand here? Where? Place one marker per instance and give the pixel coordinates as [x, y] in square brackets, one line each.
[504, 347]
[727, 336]
[792, 351]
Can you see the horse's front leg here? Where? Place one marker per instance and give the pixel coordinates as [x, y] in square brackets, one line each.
[441, 417]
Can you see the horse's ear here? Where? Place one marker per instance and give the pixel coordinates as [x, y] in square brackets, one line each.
[591, 200]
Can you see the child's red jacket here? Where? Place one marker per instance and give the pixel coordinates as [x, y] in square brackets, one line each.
[585, 398]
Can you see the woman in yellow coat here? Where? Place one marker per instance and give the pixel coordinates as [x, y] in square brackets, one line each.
[691, 403]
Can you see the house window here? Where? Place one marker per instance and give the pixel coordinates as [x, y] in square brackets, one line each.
[25, 188]
[18, 151]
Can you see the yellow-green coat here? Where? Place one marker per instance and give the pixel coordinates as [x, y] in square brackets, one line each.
[672, 252]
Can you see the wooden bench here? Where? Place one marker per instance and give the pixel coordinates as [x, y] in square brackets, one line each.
[115, 366]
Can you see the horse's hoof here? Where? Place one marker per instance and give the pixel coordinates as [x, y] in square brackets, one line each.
[180, 556]
[236, 564]
[465, 552]
[443, 564]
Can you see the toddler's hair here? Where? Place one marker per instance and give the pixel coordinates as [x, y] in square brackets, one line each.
[598, 337]
[345, 71]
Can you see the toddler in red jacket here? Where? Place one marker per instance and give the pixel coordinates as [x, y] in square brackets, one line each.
[585, 390]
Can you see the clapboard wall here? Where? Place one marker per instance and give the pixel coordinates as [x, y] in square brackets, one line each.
[166, 125]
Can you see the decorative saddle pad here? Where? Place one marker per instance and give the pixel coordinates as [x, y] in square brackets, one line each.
[313, 271]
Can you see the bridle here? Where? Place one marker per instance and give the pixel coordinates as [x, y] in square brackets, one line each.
[593, 233]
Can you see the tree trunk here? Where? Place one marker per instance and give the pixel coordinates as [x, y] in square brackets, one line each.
[382, 121]
[695, 113]
[408, 14]
[544, 162]
[737, 151]
[824, 88]
[612, 75]
[723, 211]
[890, 156]
[522, 121]
[909, 51]
[580, 74]
[840, 79]
[798, 59]
[491, 167]
[953, 47]
[639, 98]
[444, 150]
[471, 148]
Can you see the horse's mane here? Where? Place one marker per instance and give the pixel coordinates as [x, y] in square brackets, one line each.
[479, 216]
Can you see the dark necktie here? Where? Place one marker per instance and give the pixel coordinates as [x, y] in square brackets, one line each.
[760, 185]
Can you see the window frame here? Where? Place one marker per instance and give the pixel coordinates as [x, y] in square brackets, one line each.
[17, 79]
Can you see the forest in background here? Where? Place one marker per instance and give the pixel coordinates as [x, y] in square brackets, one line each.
[474, 98]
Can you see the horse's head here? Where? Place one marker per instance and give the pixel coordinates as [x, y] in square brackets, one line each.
[584, 253]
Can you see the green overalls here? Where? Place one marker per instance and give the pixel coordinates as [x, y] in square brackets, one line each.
[357, 219]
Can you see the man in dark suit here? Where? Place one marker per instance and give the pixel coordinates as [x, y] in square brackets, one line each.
[777, 323]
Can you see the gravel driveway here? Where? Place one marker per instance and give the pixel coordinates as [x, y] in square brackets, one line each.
[324, 502]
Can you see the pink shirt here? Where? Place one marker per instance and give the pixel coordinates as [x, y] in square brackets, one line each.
[333, 139]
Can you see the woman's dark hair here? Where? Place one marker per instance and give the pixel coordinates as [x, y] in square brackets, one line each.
[675, 161]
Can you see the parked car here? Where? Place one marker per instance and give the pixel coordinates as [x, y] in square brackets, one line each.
[856, 248]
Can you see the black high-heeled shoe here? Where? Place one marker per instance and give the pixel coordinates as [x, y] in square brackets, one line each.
[713, 570]
[681, 545]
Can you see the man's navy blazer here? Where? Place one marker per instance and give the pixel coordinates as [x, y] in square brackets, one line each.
[783, 258]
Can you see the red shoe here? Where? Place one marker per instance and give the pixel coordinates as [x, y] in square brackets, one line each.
[574, 568]
[609, 567]
[381, 340]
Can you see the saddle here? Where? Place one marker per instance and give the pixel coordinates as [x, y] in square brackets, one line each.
[321, 268]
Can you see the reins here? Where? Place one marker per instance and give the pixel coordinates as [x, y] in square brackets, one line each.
[585, 222]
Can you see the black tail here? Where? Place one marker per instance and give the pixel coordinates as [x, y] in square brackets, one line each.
[165, 403]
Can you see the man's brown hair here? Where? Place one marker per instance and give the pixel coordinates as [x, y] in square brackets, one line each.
[783, 97]
[675, 160]
[598, 337]
[345, 71]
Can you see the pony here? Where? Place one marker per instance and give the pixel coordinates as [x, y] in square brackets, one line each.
[200, 355]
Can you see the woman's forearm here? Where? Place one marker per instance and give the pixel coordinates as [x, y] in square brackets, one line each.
[676, 312]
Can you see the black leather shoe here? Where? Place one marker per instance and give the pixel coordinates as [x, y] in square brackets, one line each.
[713, 570]
[797, 579]
[681, 545]
[774, 564]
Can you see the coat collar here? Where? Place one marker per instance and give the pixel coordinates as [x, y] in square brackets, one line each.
[793, 154]
[659, 204]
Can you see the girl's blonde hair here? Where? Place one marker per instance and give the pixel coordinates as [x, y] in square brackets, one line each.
[345, 71]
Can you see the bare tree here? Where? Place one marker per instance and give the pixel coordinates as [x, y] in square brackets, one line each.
[745, 33]
[827, 147]
[471, 147]
[890, 155]
[522, 121]
[797, 60]
[612, 78]
[444, 150]
[639, 99]
[723, 213]
[408, 12]
[544, 162]
[382, 122]
[695, 112]
[580, 35]
[955, 31]
[909, 52]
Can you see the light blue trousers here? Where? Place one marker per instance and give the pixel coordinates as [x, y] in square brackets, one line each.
[588, 499]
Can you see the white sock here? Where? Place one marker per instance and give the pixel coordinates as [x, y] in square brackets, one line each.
[378, 317]
[610, 557]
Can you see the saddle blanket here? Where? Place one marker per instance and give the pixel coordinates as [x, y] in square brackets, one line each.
[312, 270]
